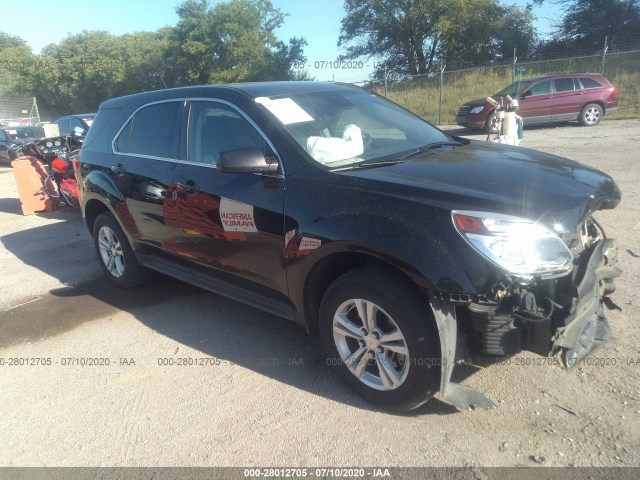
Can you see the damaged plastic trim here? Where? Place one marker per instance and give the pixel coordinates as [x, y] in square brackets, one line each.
[460, 396]
[587, 329]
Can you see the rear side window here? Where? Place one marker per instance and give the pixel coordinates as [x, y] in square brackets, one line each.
[563, 84]
[589, 82]
[153, 131]
[216, 127]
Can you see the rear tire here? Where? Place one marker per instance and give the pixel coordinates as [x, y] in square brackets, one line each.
[115, 254]
[591, 115]
[381, 338]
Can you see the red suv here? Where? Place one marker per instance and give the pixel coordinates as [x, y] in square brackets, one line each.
[585, 97]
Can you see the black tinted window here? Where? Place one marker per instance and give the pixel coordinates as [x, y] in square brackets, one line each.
[63, 126]
[75, 123]
[214, 128]
[564, 84]
[155, 130]
[589, 82]
[541, 88]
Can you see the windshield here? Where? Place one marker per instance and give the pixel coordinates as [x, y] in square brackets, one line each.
[340, 128]
[513, 89]
[25, 132]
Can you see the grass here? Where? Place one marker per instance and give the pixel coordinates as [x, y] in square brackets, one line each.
[421, 95]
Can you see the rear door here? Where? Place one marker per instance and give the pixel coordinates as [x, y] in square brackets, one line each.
[567, 99]
[535, 102]
[147, 150]
[230, 223]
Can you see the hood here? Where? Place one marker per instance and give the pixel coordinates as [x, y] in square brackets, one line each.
[477, 103]
[485, 176]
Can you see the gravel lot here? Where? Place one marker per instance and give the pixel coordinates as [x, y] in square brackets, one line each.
[265, 397]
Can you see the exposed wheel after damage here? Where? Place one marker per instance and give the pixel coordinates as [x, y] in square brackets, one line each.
[381, 338]
[115, 254]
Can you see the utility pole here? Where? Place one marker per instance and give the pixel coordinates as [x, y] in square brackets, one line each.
[513, 68]
[604, 52]
[442, 67]
[385, 80]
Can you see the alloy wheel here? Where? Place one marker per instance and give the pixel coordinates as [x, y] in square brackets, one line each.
[592, 115]
[111, 251]
[371, 344]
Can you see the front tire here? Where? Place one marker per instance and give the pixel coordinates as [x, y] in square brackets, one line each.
[115, 254]
[490, 125]
[381, 338]
[591, 115]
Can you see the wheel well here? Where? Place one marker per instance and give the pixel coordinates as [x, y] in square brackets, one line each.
[92, 209]
[597, 102]
[330, 268]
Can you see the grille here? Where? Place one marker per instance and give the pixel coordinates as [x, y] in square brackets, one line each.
[464, 110]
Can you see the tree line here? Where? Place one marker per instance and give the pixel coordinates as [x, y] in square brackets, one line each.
[229, 42]
[414, 37]
[235, 41]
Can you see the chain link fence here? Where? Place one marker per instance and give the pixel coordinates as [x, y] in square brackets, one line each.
[19, 110]
[437, 96]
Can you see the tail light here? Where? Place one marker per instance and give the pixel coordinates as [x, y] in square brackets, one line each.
[58, 165]
[613, 91]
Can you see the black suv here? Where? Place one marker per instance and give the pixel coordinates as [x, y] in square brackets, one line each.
[402, 246]
[72, 123]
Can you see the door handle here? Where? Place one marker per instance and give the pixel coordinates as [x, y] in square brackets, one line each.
[190, 186]
[118, 169]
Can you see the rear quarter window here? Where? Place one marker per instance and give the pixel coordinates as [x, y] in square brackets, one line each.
[589, 82]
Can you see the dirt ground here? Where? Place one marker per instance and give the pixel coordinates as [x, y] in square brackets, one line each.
[255, 390]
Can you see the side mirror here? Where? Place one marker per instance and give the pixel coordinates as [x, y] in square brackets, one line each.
[526, 94]
[246, 160]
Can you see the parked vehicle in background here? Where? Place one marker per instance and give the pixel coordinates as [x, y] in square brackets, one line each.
[5, 145]
[20, 135]
[585, 97]
[68, 124]
[401, 245]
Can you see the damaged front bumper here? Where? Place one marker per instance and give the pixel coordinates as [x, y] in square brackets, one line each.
[576, 329]
[586, 328]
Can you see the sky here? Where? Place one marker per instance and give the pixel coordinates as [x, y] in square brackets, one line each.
[318, 21]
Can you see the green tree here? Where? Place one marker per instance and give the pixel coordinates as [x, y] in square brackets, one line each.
[586, 23]
[231, 42]
[15, 59]
[85, 69]
[413, 36]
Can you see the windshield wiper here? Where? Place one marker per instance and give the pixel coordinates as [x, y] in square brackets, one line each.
[430, 146]
[362, 165]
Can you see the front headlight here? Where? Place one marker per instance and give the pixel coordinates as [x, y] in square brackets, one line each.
[521, 247]
[476, 109]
